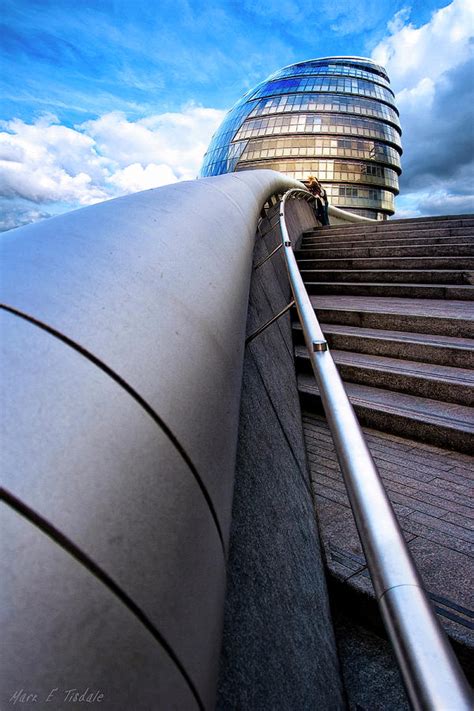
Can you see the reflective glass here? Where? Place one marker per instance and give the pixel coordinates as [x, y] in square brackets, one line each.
[219, 156]
[325, 102]
[330, 69]
[341, 62]
[360, 197]
[308, 146]
[314, 123]
[334, 118]
[371, 214]
[330, 170]
[360, 87]
[222, 160]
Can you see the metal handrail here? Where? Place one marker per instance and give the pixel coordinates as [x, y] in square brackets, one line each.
[430, 670]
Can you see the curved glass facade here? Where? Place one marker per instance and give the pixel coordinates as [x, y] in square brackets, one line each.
[334, 118]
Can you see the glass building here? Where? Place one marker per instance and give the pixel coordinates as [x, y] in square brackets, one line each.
[334, 118]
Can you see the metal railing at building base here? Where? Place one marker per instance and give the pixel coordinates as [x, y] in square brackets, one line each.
[431, 673]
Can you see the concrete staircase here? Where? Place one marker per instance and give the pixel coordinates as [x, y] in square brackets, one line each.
[395, 301]
[399, 318]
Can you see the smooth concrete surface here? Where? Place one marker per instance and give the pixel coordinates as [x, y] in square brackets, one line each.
[278, 650]
[120, 426]
[59, 625]
[155, 285]
[107, 477]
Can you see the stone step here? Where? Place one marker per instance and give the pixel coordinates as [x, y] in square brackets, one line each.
[429, 316]
[450, 219]
[412, 224]
[426, 263]
[397, 276]
[438, 382]
[320, 235]
[439, 423]
[385, 241]
[426, 348]
[411, 291]
[455, 249]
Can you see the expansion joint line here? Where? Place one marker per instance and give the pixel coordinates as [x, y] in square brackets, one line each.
[136, 396]
[70, 547]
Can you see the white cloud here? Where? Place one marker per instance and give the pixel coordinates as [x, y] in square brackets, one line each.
[178, 140]
[411, 54]
[45, 162]
[135, 177]
[13, 215]
[431, 71]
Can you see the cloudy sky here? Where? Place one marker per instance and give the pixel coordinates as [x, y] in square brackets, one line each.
[105, 97]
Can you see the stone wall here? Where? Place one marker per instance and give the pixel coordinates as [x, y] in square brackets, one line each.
[278, 647]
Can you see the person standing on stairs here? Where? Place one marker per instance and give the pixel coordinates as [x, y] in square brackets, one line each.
[315, 187]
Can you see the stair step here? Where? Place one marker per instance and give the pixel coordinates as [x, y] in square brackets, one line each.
[454, 249]
[432, 316]
[436, 382]
[436, 349]
[409, 223]
[421, 236]
[442, 424]
[412, 291]
[446, 262]
[397, 276]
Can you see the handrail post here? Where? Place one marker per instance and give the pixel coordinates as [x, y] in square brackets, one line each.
[433, 678]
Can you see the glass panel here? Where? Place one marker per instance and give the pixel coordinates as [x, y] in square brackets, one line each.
[329, 69]
[321, 147]
[322, 103]
[313, 123]
[339, 84]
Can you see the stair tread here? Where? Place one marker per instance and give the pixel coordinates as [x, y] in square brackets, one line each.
[429, 411]
[434, 241]
[431, 285]
[385, 271]
[456, 261]
[400, 238]
[438, 308]
[461, 277]
[439, 234]
[444, 248]
[463, 376]
[412, 223]
[405, 336]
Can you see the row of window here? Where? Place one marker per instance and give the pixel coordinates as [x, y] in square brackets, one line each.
[260, 148]
[371, 214]
[293, 102]
[332, 170]
[359, 197]
[345, 197]
[314, 123]
[325, 102]
[329, 69]
[364, 202]
[332, 84]
[348, 191]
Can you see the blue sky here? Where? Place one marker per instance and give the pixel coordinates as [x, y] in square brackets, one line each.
[107, 97]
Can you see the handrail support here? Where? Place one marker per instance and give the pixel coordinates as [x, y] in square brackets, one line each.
[269, 323]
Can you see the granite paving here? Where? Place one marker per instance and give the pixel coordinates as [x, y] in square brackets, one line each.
[431, 490]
